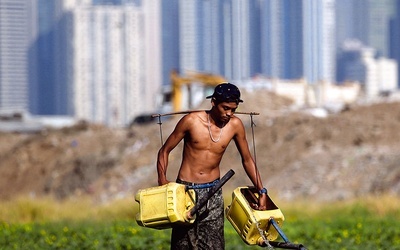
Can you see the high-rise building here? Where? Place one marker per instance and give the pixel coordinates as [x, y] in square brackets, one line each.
[367, 21]
[107, 83]
[319, 41]
[237, 39]
[189, 37]
[281, 39]
[271, 35]
[42, 89]
[169, 38]
[100, 63]
[394, 39]
[48, 90]
[115, 2]
[200, 36]
[242, 57]
[380, 14]
[151, 64]
[212, 37]
[293, 40]
[17, 31]
[220, 37]
[351, 21]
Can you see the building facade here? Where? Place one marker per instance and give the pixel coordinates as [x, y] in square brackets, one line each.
[107, 83]
[106, 60]
[319, 40]
[93, 62]
[395, 38]
[16, 36]
[281, 39]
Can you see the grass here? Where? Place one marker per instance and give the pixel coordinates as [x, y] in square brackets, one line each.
[27, 210]
[368, 223]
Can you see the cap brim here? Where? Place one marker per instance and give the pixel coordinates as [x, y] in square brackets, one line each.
[211, 96]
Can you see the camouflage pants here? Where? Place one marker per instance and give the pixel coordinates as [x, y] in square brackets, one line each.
[207, 232]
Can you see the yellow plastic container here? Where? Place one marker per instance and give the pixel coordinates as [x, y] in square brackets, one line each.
[245, 219]
[161, 207]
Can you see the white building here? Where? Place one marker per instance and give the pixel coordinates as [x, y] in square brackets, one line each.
[111, 81]
[387, 74]
[377, 75]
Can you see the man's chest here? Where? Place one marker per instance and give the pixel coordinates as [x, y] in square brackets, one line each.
[209, 138]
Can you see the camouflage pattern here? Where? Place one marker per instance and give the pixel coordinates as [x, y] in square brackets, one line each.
[207, 232]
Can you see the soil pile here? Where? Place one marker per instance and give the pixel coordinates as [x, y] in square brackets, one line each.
[348, 154]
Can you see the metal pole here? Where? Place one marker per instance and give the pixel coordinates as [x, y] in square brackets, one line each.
[212, 191]
[278, 229]
[161, 135]
[286, 245]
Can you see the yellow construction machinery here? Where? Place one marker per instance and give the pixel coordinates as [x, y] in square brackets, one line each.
[178, 81]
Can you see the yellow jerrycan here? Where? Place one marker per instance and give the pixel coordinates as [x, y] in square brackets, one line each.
[161, 207]
[250, 223]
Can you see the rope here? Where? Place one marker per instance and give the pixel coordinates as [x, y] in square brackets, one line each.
[254, 145]
[161, 135]
[266, 241]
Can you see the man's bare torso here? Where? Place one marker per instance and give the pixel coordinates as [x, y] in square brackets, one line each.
[201, 155]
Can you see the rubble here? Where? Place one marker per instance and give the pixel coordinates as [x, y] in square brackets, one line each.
[346, 154]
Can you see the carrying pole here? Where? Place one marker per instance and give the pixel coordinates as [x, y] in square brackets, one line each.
[191, 111]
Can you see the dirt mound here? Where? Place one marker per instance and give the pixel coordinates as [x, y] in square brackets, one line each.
[349, 154]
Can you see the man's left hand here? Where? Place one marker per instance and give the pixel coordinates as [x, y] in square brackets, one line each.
[262, 202]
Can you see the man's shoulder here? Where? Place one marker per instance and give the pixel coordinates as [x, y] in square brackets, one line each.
[236, 123]
[193, 117]
[236, 120]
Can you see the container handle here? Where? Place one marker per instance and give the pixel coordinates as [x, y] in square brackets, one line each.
[212, 191]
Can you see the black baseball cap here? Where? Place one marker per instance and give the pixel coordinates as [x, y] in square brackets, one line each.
[226, 92]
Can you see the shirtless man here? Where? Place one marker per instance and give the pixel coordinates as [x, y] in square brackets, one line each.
[206, 136]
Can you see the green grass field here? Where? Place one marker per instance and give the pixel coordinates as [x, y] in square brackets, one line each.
[371, 223]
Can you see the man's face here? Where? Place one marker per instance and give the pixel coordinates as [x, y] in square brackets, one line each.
[226, 110]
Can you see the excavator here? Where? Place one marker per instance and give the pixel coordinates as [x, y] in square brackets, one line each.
[178, 81]
[173, 95]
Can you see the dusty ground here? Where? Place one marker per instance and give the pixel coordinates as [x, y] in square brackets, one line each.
[349, 154]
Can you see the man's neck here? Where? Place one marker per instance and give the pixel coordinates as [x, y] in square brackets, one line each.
[215, 121]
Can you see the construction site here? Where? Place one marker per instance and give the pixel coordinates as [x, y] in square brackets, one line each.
[346, 152]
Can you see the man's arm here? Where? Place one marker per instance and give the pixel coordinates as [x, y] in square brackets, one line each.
[162, 158]
[248, 162]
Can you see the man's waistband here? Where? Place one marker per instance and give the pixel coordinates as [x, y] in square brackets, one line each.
[192, 185]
